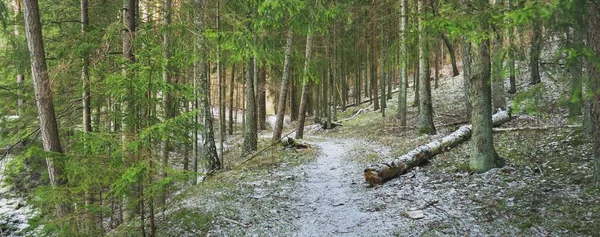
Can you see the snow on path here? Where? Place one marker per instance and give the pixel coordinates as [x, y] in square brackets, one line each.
[332, 201]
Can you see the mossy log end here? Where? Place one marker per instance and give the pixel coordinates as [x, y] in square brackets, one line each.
[379, 173]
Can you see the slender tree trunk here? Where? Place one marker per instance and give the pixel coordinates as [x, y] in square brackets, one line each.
[130, 115]
[483, 155]
[416, 76]
[166, 94]
[534, 53]
[85, 72]
[436, 75]
[293, 98]
[426, 109]
[220, 82]
[250, 132]
[43, 96]
[262, 98]
[593, 39]
[401, 113]
[498, 97]
[467, 76]
[305, 86]
[20, 77]
[283, 90]
[210, 150]
[452, 54]
[576, 40]
[374, 88]
[231, 105]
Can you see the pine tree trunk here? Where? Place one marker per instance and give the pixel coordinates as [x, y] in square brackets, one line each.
[262, 98]
[401, 114]
[466, 48]
[305, 87]
[498, 97]
[250, 131]
[483, 156]
[283, 90]
[426, 109]
[43, 96]
[220, 82]
[593, 39]
[231, 105]
[452, 54]
[209, 149]
[576, 40]
[534, 53]
[373, 51]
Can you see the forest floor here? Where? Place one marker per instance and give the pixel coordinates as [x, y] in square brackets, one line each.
[544, 190]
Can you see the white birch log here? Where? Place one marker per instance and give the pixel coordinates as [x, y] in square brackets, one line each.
[379, 173]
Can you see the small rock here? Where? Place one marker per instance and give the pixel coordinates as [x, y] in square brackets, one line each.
[338, 204]
[416, 214]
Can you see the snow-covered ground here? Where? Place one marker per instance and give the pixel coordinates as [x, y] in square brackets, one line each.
[13, 210]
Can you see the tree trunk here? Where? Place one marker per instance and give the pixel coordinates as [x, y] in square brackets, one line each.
[262, 98]
[210, 150]
[401, 114]
[373, 51]
[43, 96]
[85, 72]
[593, 39]
[498, 97]
[576, 40]
[452, 54]
[305, 87]
[231, 105]
[293, 97]
[466, 48]
[416, 76]
[436, 75]
[220, 82]
[20, 77]
[426, 109]
[250, 132]
[534, 52]
[483, 155]
[283, 90]
[379, 173]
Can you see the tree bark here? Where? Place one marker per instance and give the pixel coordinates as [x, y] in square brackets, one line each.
[85, 71]
[534, 53]
[483, 155]
[401, 114]
[305, 86]
[426, 109]
[379, 173]
[466, 48]
[43, 96]
[250, 132]
[593, 39]
[262, 98]
[283, 90]
[210, 150]
[452, 54]
[498, 97]
[231, 105]
[373, 51]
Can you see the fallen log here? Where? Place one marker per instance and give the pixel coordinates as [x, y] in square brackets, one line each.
[379, 173]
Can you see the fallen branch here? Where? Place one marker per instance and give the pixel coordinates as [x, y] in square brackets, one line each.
[234, 222]
[501, 130]
[379, 173]
[264, 149]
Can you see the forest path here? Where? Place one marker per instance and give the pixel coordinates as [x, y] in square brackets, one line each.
[332, 199]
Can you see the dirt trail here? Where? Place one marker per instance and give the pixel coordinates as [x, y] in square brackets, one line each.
[331, 200]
